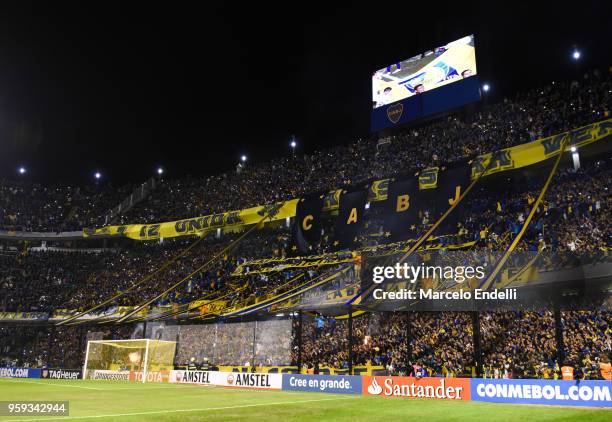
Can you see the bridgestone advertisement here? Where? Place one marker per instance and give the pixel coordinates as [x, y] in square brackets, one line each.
[100, 374]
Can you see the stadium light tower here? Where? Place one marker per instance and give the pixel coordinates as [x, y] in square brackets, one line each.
[293, 145]
[22, 170]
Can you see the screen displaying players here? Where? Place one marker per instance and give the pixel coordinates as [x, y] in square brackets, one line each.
[432, 69]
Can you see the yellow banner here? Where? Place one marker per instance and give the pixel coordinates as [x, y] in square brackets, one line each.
[199, 225]
[111, 313]
[39, 316]
[208, 306]
[268, 265]
[534, 152]
[326, 370]
[507, 159]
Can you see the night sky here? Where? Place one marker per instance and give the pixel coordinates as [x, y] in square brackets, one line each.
[125, 89]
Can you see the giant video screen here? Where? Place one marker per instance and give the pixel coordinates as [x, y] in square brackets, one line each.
[432, 69]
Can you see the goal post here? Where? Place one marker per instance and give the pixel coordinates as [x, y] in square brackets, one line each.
[134, 360]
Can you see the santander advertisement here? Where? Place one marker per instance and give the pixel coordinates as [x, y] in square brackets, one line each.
[426, 388]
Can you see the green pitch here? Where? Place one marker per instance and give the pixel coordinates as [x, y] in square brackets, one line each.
[129, 402]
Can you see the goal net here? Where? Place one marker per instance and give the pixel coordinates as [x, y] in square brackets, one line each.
[130, 360]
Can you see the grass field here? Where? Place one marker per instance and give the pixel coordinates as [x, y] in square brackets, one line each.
[128, 402]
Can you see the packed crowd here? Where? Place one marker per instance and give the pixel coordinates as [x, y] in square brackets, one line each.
[532, 115]
[573, 218]
[559, 106]
[585, 332]
[48, 280]
[573, 221]
[440, 343]
[26, 206]
[515, 344]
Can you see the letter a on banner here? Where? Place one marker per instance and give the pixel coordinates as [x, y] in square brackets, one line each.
[350, 218]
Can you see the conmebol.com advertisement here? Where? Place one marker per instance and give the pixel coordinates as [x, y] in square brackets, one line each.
[19, 373]
[553, 392]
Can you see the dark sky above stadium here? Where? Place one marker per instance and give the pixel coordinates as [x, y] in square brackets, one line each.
[124, 89]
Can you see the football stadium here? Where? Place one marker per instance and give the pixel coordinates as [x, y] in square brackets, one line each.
[361, 218]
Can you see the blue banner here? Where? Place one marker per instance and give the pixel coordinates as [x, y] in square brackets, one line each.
[551, 392]
[19, 373]
[343, 384]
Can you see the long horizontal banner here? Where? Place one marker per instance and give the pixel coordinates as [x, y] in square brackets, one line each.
[511, 158]
[268, 265]
[522, 391]
[199, 225]
[534, 152]
[113, 312]
[24, 316]
[323, 370]
[507, 159]
[516, 391]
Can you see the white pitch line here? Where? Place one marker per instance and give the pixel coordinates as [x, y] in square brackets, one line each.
[160, 412]
[59, 385]
[141, 389]
[134, 388]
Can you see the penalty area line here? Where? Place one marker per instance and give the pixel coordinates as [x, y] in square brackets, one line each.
[161, 412]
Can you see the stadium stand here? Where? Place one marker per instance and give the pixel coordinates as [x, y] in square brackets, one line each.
[573, 223]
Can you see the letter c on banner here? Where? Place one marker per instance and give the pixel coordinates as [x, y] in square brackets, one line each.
[306, 222]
